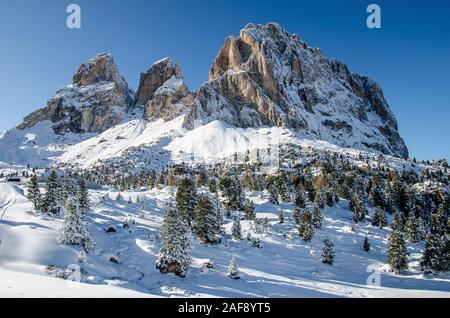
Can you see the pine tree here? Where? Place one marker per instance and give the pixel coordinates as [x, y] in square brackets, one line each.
[69, 189]
[273, 195]
[411, 229]
[306, 228]
[213, 187]
[358, 208]
[51, 204]
[319, 200]
[233, 270]
[236, 231]
[208, 220]
[317, 218]
[249, 210]
[398, 224]
[74, 230]
[436, 255]
[175, 250]
[281, 217]
[232, 190]
[186, 199]
[366, 245]
[33, 193]
[300, 205]
[83, 196]
[328, 252]
[397, 252]
[379, 218]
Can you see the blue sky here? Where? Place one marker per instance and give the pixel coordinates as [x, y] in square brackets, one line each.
[409, 56]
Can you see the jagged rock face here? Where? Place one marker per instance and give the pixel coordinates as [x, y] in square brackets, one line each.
[160, 72]
[268, 77]
[163, 92]
[95, 101]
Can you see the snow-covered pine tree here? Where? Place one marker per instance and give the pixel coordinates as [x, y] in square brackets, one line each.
[319, 200]
[397, 256]
[379, 218]
[281, 217]
[317, 218]
[358, 208]
[175, 250]
[69, 188]
[232, 190]
[436, 256]
[50, 203]
[411, 229]
[273, 194]
[233, 269]
[306, 228]
[83, 196]
[366, 245]
[236, 231]
[213, 186]
[33, 193]
[399, 222]
[186, 199]
[300, 204]
[208, 220]
[328, 252]
[74, 230]
[249, 210]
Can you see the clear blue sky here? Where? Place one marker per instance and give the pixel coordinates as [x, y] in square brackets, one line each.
[409, 56]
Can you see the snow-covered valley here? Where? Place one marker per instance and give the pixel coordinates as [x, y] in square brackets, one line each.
[285, 266]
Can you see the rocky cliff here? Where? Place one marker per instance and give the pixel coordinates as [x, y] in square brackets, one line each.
[268, 77]
[94, 102]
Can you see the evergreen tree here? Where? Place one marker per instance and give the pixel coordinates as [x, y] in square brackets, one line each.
[233, 270]
[208, 220]
[306, 228]
[411, 229]
[398, 224]
[33, 192]
[273, 194]
[213, 187]
[358, 208]
[281, 217]
[328, 252]
[175, 250]
[366, 245]
[300, 205]
[83, 196]
[236, 231]
[51, 204]
[232, 190]
[74, 230]
[379, 218]
[186, 199]
[436, 255]
[249, 210]
[317, 217]
[319, 200]
[69, 188]
[397, 252]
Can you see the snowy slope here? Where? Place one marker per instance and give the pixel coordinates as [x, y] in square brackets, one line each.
[284, 267]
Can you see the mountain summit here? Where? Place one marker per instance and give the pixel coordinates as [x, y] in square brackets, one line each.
[267, 77]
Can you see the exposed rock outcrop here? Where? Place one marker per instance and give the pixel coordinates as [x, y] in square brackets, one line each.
[95, 101]
[268, 77]
[162, 91]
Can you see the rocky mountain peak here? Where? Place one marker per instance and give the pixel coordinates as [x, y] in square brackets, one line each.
[94, 102]
[160, 72]
[268, 77]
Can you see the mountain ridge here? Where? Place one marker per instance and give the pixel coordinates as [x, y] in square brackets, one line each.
[264, 77]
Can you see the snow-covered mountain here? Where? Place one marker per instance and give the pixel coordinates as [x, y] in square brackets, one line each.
[268, 77]
[263, 78]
